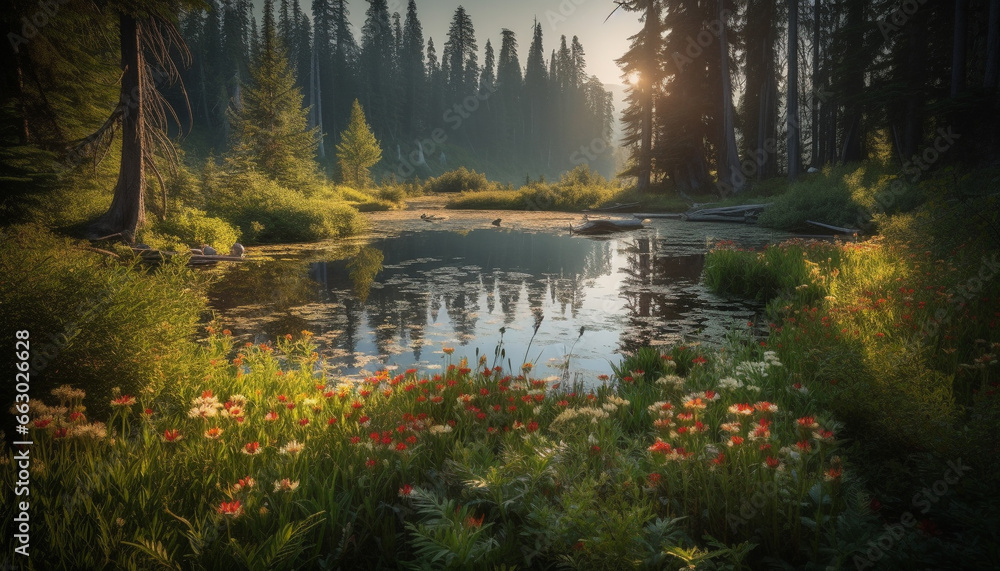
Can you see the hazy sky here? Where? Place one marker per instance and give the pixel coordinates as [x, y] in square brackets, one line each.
[602, 42]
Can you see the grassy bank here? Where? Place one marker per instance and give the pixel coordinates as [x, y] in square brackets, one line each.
[259, 460]
[898, 338]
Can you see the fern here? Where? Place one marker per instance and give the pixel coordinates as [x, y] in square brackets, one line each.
[448, 536]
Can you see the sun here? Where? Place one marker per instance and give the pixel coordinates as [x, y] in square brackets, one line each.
[633, 78]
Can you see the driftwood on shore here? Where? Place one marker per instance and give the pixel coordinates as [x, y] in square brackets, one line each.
[605, 226]
[742, 214]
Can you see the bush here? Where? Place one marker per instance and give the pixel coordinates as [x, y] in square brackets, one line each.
[459, 180]
[193, 228]
[266, 212]
[94, 321]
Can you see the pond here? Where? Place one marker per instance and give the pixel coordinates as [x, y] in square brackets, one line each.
[526, 291]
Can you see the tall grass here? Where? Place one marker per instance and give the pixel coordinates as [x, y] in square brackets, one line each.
[260, 460]
[578, 189]
[96, 322]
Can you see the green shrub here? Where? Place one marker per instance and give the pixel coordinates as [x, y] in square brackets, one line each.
[458, 180]
[266, 212]
[94, 321]
[193, 227]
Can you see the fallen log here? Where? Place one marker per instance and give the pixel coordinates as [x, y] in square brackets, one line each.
[669, 215]
[837, 229]
[613, 207]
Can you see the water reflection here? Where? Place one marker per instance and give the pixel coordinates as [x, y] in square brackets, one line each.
[397, 300]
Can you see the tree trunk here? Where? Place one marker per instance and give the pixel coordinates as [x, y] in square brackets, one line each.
[959, 47]
[127, 212]
[793, 90]
[916, 78]
[993, 48]
[730, 174]
[816, 80]
[318, 103]
[25, 134]
[854, 84]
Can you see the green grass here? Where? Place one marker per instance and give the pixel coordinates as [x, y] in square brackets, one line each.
[469, 466]
[898, 344]
[577, 190]
[96, 321]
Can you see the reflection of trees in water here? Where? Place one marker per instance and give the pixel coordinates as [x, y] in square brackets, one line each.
[275, 284]
[397, 288]
[364, 266]
[653, 289]
[510, 295]
[485, 264]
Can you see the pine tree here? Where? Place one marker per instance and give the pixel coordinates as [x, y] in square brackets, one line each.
[149, 40]
[376, 66]
[413, 73]
[270, 127]
[510, 86]
[358, 150]
[435, 85]
[488, 79]
[336, 61]
[641, 70]
[758, 117]
[578, 69]
[460, 54]
[302, 38]
[535, 89]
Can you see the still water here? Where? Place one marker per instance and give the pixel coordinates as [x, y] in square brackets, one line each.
[569, 304]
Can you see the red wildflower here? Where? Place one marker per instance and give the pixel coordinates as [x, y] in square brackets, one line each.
[660, 446]
[234, 509]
